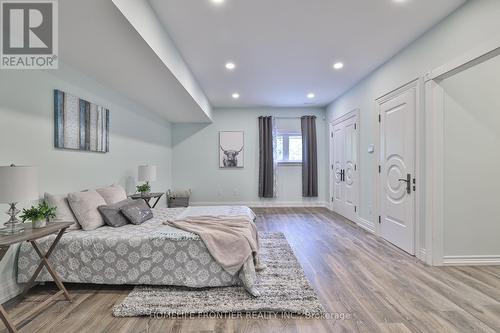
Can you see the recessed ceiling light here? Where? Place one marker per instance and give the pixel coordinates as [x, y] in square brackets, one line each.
[218, 2]
[236, 95]
[311, 95]
[338, 65]
[230, 66]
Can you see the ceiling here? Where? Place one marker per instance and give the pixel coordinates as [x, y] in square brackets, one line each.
[285, 49]
[96, 39]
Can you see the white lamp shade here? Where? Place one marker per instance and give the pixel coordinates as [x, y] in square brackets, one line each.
[18, 184]
[147, 173]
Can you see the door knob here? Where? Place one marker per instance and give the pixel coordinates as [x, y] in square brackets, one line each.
[408, 182]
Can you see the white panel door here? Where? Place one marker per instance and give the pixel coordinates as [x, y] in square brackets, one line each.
[350, 167]
[338, 138]
[344, 168]
[397, 169]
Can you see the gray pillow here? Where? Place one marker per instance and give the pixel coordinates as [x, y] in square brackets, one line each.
[137, 212]
[112, 213]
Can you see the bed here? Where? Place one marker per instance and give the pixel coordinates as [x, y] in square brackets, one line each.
[148, 254]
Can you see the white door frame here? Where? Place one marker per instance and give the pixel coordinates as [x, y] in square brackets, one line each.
[419, 119]
[434, 144]
[353, 113]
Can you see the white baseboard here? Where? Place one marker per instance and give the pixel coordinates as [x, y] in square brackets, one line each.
[9, 290]
[479, 260]
[262, 204]
[365, 224]
[422, 256]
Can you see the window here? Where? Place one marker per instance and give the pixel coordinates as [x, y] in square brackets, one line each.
[289, 148]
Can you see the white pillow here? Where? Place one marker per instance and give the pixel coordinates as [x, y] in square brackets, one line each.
[63, 211]
[112, 194]
[84, 206]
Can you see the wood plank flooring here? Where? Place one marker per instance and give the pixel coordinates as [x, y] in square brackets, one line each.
[377, 287]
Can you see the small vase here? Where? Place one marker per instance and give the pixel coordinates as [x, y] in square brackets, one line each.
[39, 224]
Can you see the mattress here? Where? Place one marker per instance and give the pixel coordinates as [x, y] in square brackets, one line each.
[148, 254]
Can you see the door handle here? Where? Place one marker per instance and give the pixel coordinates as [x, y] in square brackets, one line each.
[408, 182]
[342, 176]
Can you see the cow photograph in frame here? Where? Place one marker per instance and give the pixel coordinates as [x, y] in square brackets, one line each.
[231, 149]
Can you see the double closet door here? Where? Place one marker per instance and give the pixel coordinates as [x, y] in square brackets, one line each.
[344, 168]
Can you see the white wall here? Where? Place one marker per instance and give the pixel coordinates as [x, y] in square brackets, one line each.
[144, 19]
[27, 135]
[472, 161]
[195, 160]
[470, 25]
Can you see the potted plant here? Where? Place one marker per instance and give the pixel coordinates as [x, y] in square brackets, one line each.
[144, 188]
[39, 215]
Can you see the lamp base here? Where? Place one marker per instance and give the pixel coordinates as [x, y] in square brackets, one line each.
[12, 230]
[13, 226]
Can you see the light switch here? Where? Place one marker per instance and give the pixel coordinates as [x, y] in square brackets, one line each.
[371, 149]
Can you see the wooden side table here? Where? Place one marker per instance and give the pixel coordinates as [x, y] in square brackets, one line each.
[147, 198]
[31, 235]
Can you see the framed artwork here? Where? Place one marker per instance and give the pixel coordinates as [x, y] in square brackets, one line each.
[231, 149]
[79, 124]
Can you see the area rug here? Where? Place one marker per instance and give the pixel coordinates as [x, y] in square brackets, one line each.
[283, 286]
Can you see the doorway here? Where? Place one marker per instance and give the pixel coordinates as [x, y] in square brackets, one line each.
[344, 165]
[397, 181]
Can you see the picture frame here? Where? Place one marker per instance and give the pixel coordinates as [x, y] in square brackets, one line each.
[231, 149]
[79, 124]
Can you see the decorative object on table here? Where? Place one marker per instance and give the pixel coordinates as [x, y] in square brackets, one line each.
[283, 286]
[79, 124]
[178, 198]
[39, 215]
[147, 173]
[144, 189]
[31, 235]
[147, 197]
[231, 149]
[17, 184]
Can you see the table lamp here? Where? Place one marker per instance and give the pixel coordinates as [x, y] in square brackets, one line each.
[17, 184]
[147, 173]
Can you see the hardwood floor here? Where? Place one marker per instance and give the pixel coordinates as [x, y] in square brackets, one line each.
[377, 286]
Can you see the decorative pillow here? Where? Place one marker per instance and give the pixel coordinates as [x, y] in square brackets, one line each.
[112, 213]
[137, 212]
[63, 211]
[112, 194]
[84, 206]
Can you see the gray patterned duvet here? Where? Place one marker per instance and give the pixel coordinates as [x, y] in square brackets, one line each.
[147, 254]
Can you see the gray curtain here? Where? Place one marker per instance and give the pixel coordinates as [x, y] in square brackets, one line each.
[266, 158]
[309, 157]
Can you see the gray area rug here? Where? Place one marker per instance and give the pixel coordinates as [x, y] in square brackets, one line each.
[283, 286]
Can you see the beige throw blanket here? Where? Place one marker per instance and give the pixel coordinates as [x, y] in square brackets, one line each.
[231, 240]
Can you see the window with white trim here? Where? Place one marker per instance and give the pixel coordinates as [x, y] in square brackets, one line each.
[288, 141]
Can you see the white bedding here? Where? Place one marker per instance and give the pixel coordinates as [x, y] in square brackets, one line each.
[217, 211]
